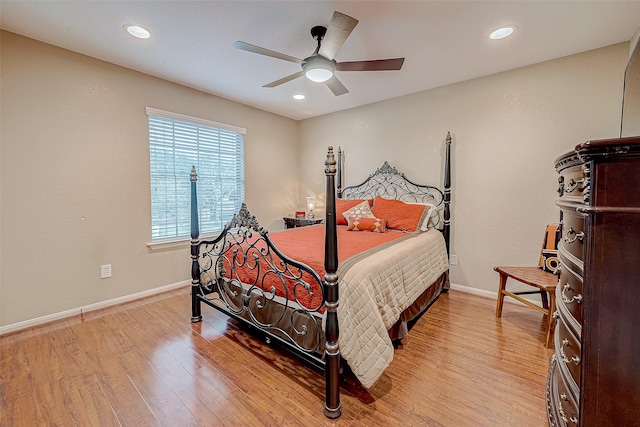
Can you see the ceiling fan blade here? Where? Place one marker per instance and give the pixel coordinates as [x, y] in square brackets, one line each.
[336, 86]
[339, 29]
[285, 79]
[375, 65]
[262, 51]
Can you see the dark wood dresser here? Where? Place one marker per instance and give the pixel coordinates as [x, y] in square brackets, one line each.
[594, 373]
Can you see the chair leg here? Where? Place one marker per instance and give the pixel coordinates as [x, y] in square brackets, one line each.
[543, 298]
[501, 288]
[551, 321]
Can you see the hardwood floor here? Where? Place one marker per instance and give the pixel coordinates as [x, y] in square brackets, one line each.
[145, 364]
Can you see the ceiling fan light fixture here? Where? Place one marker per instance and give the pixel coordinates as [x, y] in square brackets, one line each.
[318, 69]
[318, 75]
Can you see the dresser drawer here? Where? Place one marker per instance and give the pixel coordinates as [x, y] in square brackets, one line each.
[566, 404]
[573, 234]
[573, 183]
[569, 292]
[567, 351]
[562, 409]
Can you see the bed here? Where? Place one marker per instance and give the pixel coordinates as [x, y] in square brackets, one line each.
[326, 303]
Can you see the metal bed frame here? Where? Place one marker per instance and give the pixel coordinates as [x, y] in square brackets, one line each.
[245, 244]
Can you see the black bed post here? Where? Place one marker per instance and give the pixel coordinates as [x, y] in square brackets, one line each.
[332, 408]
[447, 192]
[196, 314]
[339, 177]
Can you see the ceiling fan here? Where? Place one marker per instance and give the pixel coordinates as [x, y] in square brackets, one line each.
[320, 66]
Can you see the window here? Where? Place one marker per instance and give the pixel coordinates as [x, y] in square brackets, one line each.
[176, 143]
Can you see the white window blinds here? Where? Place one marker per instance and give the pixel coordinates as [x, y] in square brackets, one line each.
[176, 143]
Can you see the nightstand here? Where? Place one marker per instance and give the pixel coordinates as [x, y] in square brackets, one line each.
[300, 222]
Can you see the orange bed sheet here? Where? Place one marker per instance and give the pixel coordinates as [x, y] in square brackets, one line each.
[306, 245]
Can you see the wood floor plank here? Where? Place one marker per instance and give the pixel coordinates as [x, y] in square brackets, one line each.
[145, 364]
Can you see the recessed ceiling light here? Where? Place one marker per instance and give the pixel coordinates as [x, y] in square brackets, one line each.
[298, 96]
[501, 33]
[137, 31]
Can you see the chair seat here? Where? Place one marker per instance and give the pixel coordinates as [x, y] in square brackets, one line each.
[544, 281]
[533, 276]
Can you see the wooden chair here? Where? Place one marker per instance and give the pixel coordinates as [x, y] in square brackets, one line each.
[541, 277]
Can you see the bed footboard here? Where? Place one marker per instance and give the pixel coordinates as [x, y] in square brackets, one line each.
[242, 274]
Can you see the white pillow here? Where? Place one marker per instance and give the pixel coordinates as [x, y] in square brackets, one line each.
[361, 210]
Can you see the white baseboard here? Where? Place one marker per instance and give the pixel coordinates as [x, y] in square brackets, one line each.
[475, 291]
[91, 307]
[127, 298]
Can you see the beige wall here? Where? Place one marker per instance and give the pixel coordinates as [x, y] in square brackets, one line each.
[507, 129]
[75, 177]
[634, 41]
[75, 145]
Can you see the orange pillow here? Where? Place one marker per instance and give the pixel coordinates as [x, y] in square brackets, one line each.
[367, 224]
[343, 205]
[399, 215]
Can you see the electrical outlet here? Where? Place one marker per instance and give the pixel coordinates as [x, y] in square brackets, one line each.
[105, 271]
[453, 259]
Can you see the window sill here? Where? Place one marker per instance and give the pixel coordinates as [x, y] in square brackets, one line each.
[168, 245]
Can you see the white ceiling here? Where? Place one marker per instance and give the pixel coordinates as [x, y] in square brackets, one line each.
[443, 41]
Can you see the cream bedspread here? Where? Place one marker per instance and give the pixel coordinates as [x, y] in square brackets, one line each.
[373, 293]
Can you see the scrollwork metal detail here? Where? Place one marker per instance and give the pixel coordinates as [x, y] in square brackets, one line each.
[243, 273]
[245, 219]
[387, 182]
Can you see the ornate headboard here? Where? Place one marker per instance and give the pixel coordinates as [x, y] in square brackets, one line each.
[387, 182]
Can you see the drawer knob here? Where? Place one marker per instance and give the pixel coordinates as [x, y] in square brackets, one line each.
[573, 184]
[563, 356]
[577, 298]
[572, 236]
